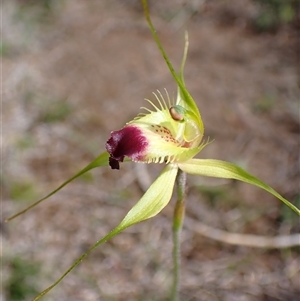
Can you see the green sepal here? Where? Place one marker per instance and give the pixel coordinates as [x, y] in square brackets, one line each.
[101, 160]
[152, 202]
[155, 199]
[222, 169]
[185, 98]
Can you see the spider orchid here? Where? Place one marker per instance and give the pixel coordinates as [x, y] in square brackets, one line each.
[168, 134]
[171, 133]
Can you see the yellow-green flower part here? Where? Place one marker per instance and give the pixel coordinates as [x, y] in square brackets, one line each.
[168, 133]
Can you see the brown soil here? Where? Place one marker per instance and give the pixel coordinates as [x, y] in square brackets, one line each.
[75, 72]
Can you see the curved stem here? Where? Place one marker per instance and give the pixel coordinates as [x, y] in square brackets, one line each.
[177, 226]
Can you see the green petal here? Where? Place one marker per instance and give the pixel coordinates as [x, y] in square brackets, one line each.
[101, 160]
[152, 202]
[184, 98]
[221, 169]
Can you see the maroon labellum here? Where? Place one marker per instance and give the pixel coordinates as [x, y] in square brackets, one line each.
[129, 141]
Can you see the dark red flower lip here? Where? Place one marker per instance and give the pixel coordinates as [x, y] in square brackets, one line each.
[129, 141]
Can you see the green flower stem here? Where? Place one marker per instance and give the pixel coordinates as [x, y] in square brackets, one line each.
[177, 226]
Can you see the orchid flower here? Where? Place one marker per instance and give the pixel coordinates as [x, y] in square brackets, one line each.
[169, 133]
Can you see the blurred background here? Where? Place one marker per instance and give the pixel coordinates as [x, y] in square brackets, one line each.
[75, 70]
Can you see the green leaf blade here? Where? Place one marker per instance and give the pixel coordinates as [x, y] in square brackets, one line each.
[226, 170]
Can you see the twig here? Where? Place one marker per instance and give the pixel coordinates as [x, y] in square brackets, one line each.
[247, 240]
